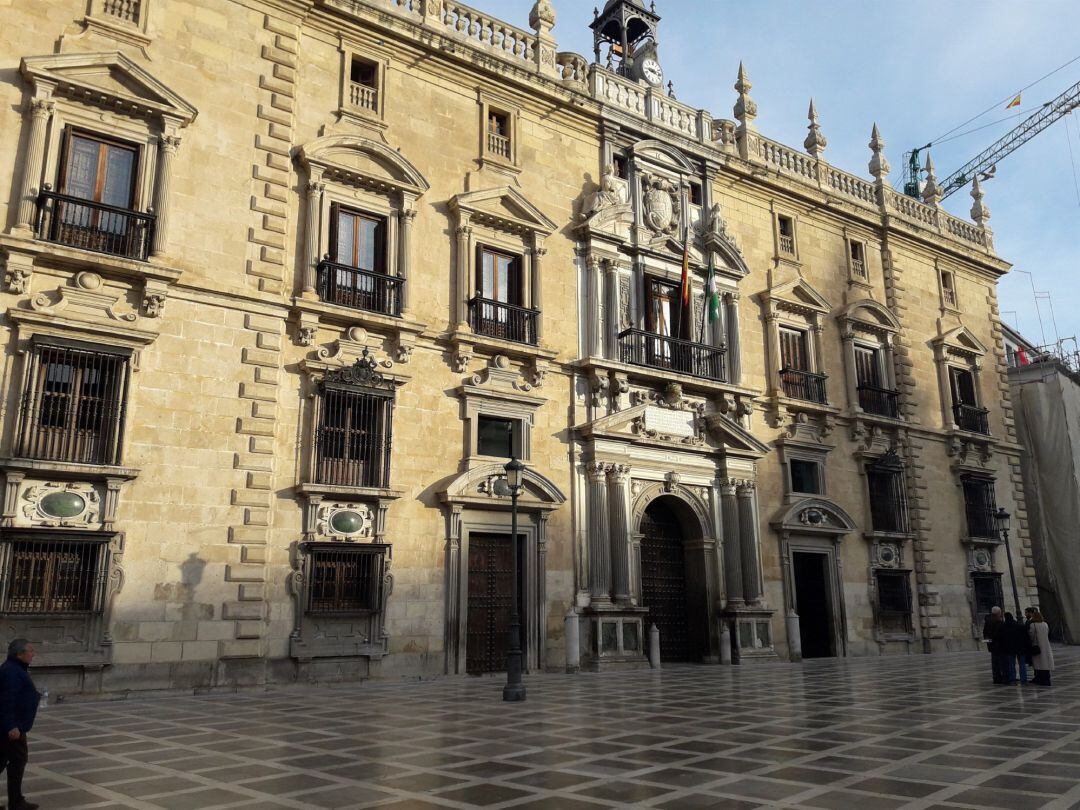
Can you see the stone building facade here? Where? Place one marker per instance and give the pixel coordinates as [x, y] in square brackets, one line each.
[287, 281]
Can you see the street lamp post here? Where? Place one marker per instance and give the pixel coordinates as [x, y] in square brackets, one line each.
[514, 691]
[1001, 517]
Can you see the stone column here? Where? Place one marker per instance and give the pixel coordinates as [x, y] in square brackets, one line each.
[315, 188]
[619, 527]
[167, 148]
[40, 111]
[464, 287]
[599, 540]
[611, 331]
[595, 307]
[850, 374]
[731, 322]
[751, 564]
[772, 337]
[405, 219]
[729, 508]
[536, 281]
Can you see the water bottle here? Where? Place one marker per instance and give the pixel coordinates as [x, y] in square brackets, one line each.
[45, 698]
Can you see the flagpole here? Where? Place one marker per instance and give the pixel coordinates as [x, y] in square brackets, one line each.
[706, 303]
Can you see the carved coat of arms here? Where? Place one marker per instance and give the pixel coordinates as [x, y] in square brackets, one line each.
[661, 201]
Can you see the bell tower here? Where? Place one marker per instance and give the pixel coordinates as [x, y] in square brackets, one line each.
[629, 30]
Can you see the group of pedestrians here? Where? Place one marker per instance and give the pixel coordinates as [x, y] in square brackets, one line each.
[1014, 646]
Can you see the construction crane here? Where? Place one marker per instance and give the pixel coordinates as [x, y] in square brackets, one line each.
[985, 162]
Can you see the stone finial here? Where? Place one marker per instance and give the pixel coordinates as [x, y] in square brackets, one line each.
[745, 107]
[879, 164]
[931, 192]
[542, 16]
[979, 212]
[815, 142]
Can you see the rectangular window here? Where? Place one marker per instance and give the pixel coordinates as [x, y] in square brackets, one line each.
[345, 579]
[353, 437]
[73, 405]
[948, 289]
[99, 170]
[858, 259]
[894, 601]
[868, 366]
[498, 277]
[621, 169]
[786, 228]
[963, 386]
[662, 302]
[888, 503]
[51, 576]
[793, 350]
[696, 195]
[805, 476]
[966, 411]
[358, 239]
[498, 134]
[364, 84]
[498, 437]
[979, 506]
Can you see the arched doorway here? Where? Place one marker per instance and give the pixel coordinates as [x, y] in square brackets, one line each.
[664, 588]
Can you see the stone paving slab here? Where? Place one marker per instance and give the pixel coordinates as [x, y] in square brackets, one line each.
[919, 732]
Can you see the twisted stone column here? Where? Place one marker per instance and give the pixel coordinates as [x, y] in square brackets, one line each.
[729, 509]
[40, 111]
[168, 145]
[599, 539]
[619, 505]
[751, 565]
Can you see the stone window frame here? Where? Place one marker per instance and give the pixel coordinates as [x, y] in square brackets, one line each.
[488, 103]
[796, 305]
[792, 217]
[875, 602]
[346, 108]
[492, 393]
[962, 349]
[854, 277]
[946, 277]
[789, 450]
[101, 18]
[60, 100]
[869, 324]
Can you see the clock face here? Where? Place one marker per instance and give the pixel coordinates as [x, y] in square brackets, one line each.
[652, 72]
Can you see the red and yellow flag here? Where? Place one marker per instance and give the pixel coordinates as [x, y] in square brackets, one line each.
[1014, 103]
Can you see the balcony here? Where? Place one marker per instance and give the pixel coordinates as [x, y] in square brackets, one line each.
[804, 385]
[359, 289]
[642, 348]
[94, 226]
[496, 319]
[364, 97]
[879, 401]
[787, 244]
[972, 419]
[499, 145]
[858, 268]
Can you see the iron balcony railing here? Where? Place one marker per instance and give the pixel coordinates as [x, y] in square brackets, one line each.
[504, 321]
[879, 401]
[805, 385]
[642, 348]
[971, 418]
[359, 289]
[90, 225]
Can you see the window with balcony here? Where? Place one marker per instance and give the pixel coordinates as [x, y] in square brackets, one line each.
[354, 273]
[93, 207]
[785, 230]
[967, 414]
[364, 84]
[870, 378]
[497, 436]
[496, 310]
[894, 601]
[857, 257]
[344, 579]
[805, 477]
[796, 378]
[354, 428]
[979, 507]
[72, 405]
[498, 134]
[51, 576]
[888, 501]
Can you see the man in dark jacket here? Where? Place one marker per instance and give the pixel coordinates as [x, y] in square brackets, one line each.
[992, 628]
[18, 708]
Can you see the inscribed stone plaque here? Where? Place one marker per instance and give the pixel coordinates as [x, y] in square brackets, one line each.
[669, 423]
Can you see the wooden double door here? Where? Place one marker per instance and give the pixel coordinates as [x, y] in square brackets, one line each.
[489, 607]
[672, 606]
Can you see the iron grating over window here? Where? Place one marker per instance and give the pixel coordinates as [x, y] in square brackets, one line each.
[345, 579]
[73, 405]
[52, 576]
[894, 601]
[355, 427]
[979, 507]
[988, 592]
[888, 500]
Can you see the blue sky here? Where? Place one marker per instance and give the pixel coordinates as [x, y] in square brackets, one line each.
[917, 67]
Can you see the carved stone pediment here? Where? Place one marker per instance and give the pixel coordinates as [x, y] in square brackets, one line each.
[361, 161]
[505, 208]
[798, 296]
[110, 80]
[960, 342]
[814, 516]
[482, 487]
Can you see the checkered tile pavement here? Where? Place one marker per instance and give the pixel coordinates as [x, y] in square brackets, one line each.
[915, 732]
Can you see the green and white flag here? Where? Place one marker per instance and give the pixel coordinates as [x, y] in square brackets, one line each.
[712, 297]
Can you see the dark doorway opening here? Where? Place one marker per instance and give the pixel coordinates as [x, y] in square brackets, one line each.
[488, 620]
[664, 586]
[812, 601]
